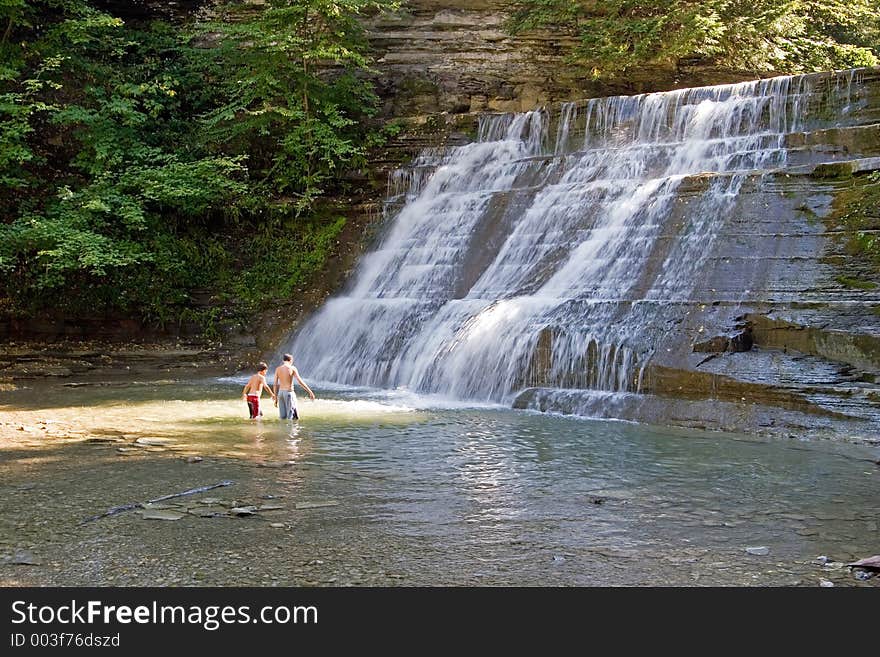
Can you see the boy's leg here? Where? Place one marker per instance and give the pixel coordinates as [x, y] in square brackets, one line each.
[254, 406]
[283, 404]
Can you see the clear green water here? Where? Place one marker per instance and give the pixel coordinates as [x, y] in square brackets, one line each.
[412, 492]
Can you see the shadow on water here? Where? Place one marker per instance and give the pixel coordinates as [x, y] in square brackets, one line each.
[37, 394]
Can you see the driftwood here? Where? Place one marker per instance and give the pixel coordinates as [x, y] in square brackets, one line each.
[138, 505]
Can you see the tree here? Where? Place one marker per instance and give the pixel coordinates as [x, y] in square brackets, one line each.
[297, 96]
[783, 36]
[141, 161]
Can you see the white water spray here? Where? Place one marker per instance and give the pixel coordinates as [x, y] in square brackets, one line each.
[518, 260]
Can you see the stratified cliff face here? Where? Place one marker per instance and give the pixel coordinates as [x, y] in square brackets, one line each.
[687, 257]
[455, 56]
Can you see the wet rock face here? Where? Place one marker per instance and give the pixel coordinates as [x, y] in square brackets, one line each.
[715, 287]
[772, 338]
[742, 341]
[737, 342]
[786, 333]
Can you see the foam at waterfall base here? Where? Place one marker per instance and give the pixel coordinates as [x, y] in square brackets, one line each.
[580, 247]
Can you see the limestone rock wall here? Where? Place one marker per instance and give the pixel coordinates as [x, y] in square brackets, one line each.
[455, 56]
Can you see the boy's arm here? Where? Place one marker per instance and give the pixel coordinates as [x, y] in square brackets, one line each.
[303, 383]
[266, 386]
[244, 390]
[275, 383]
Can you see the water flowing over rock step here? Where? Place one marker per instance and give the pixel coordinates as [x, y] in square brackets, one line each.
[828, 97]
[853, 141]
[849, 140]
[817, 85]
[772, 180]
[827, 373]
[823, 311]
[856, 145]
[591, 249]
[800, 420]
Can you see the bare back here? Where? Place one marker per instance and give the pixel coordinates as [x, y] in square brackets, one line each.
[284, 377]
[255, 385]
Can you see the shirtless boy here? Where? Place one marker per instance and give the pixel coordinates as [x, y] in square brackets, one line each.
[286, 399]
[253, 390]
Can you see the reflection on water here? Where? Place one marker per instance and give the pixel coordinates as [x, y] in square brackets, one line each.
[421, 496]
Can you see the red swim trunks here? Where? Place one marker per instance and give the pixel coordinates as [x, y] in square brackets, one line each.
[253, 403]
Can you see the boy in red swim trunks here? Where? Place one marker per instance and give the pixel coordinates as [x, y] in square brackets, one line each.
[253, 390]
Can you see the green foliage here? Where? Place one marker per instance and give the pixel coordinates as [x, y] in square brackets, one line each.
[274, 273]
[785, 36]
[860, 218]
[298, 126]
[140, 164]
[856, 283]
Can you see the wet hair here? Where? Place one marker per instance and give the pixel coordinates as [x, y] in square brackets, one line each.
[261, 367]
[287, 357]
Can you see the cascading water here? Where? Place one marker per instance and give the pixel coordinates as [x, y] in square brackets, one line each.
[520, 260]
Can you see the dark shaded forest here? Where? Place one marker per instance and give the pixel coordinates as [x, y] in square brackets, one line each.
[146, 161]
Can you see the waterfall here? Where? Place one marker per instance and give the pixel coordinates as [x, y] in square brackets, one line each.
[554, 250]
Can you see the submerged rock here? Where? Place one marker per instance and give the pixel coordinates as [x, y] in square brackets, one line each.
[243, 510]
[161, 514]
[153, 441]
[315, 505]
[22, 558]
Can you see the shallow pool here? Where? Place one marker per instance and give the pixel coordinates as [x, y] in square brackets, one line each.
[379, 488]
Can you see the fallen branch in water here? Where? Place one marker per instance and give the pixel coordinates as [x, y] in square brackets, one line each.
[136, 505]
